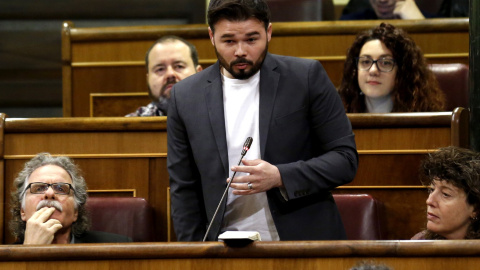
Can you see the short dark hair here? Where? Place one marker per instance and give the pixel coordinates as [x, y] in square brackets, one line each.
[237, 10]
[461, 168]
[170, 38]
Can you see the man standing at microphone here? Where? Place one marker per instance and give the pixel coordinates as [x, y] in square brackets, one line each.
[303, 145]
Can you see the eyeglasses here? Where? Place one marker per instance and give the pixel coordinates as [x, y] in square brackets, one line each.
[384, 64]
[58, 188]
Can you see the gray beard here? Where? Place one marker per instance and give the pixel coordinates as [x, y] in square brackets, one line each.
[47, 203]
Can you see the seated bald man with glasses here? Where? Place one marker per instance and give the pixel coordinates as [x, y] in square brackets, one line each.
[49, 205]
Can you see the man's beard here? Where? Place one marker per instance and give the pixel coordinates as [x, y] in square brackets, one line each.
[242, 74]
[162, 101]
[162, 95]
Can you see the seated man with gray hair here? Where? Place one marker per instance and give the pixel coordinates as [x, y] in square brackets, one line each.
[48, 204]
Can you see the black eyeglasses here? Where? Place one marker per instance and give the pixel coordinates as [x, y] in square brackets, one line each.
[58, 188]
[384, 64]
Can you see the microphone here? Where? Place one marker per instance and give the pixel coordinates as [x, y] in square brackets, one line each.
[246, 146]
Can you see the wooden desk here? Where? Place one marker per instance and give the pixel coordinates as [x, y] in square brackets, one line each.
[111, 59]
[116, 104]
[124, 156]
[328, 255]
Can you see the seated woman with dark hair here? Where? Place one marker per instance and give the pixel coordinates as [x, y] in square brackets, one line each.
[453, 178]
[385, 71]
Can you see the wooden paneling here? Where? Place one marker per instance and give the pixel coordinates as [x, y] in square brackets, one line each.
[129, 154]
[116, 104]
[396, 169]
[99, 144]
[111, 59]
[329, 255]
[401, 138]
[158, 186]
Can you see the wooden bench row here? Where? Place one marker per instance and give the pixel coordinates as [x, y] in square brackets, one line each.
[111, 59]
[305, 255]
[452, 79]
[127, 157]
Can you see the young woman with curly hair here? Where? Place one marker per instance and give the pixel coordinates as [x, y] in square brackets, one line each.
[385, 71]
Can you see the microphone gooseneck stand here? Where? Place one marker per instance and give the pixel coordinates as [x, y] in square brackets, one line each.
[246, 146]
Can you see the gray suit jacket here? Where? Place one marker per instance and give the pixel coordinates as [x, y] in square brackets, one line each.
[304, 131]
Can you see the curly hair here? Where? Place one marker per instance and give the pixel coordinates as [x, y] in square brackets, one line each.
[459, 167]
[17, 199]
[416, 88]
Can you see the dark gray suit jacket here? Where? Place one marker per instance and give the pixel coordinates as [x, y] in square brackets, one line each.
[101, 237]
[304, 131]
[96, 237]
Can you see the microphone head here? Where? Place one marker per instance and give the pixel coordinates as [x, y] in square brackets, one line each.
[246, 145]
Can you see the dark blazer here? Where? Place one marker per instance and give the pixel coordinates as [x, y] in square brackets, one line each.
[95, 237]
[101, 237]
[304, 131]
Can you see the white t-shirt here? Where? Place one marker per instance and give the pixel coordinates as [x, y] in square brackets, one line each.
[241, 99]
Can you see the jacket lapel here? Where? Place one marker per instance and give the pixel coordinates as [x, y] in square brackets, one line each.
[268, 90]
[214, 101]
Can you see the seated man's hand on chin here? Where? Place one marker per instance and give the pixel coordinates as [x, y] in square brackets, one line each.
[40, 228]
[407, 10]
